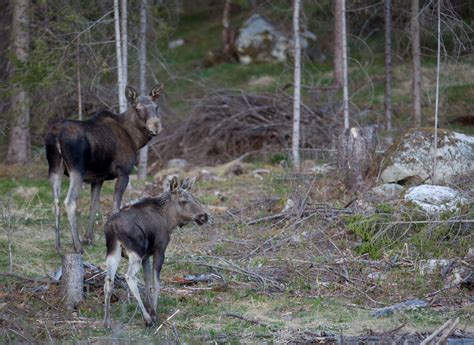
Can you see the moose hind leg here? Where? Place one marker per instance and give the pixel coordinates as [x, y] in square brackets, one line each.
[147, 275]
[134, 264]
[95, 208]
[55, 178]
[112, 262]
[75, 184]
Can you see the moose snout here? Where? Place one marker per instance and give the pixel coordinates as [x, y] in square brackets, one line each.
[154, 127]
[202, 218]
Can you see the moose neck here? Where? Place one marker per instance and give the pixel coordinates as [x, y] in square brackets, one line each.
[137, 132]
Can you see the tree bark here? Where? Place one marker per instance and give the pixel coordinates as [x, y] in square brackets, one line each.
[142, 60]
[345, 68]
[118, 52]
[416, 63]
[388, 65]
[19, 144]
[297, 85]
[438, 67]
[78, 76]
[72, 280]
[337, 58]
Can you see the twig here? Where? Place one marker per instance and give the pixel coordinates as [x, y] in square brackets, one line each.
[18, 276]
[436, 332]
[251, 320]
[20, 335]
[169, 318]
[447, 332]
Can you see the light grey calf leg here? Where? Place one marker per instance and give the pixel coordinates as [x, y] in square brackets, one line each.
[112, 263]
[55, 179]
[134, 263]
[95, 208]
[75, 183]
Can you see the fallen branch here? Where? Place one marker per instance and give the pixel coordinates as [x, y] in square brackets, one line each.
[251, 320]
[446, 325]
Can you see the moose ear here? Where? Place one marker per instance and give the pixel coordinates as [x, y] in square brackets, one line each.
[174, 184]
[188, 183]
[131, 94]
[156, 92]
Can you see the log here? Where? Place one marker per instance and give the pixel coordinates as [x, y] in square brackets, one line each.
[72, 280]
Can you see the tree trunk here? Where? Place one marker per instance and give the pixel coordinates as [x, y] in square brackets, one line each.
[142, 60]
[19, 139]
[338, 59]
[416, 62]
[297, 86]
[388, 65]
[356, 152]
[118, 52]
[78, 75]
[72, 280]
[345, 68]
[438, 67]
[226, 39]
[124, 45]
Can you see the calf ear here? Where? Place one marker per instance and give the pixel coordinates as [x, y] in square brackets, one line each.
[131, 94]
[188, 183]
[174, 184]
[156, 92]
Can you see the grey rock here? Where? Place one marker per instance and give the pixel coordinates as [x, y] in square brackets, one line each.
[435, 199]
[412, 156]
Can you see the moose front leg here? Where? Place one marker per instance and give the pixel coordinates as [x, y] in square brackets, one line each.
[95, 208]
[120, 186]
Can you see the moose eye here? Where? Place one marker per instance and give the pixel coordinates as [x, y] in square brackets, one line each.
[183, 202]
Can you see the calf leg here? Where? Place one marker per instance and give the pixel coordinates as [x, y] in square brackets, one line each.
[55, 178]
[75, 183]
[95, 208]
[120, 186]
[148, 287]
[155, 292]
[133, 267]
[112, 262]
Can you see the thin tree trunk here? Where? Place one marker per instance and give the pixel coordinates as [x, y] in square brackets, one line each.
[416, 62]
[388, 65]
[142, 60]
[297, 86]
[438, 67]
[19, 144]
[124, 36]
[345, 68]
[78, 75]
[226, 29]
[118, 51]
[338, 59]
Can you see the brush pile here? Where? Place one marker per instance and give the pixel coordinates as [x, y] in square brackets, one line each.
[226, 124]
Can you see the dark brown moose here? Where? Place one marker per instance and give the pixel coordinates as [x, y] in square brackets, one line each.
[143, 230]
[102, 148]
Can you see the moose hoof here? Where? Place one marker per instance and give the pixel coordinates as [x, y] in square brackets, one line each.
[79, 250]
[107, 324]
[87, 241]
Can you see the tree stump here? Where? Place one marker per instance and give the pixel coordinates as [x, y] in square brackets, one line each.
[72, 280]
[355, 154]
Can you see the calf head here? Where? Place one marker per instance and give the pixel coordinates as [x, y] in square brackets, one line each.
[146, 109]
[186, 207]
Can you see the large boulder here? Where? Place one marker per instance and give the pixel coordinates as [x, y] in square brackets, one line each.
[435, 199]
[259, 40]
[411, 157]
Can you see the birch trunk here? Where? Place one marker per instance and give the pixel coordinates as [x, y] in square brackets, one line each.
[297, 86]
[118, 52]
[124, 46]
[72, 280]
[142, 60]
[416, 62]
[438, 67]
[19, 142]
[345, 86]
[388, 65]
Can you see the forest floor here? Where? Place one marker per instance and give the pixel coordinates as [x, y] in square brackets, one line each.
[309, 274]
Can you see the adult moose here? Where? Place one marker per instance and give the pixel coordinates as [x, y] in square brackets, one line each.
[143, 230]
[102, 148]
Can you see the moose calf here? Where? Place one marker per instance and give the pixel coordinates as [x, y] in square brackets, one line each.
[143, 230]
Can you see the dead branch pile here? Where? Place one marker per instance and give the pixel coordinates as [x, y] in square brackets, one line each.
[224, 125]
